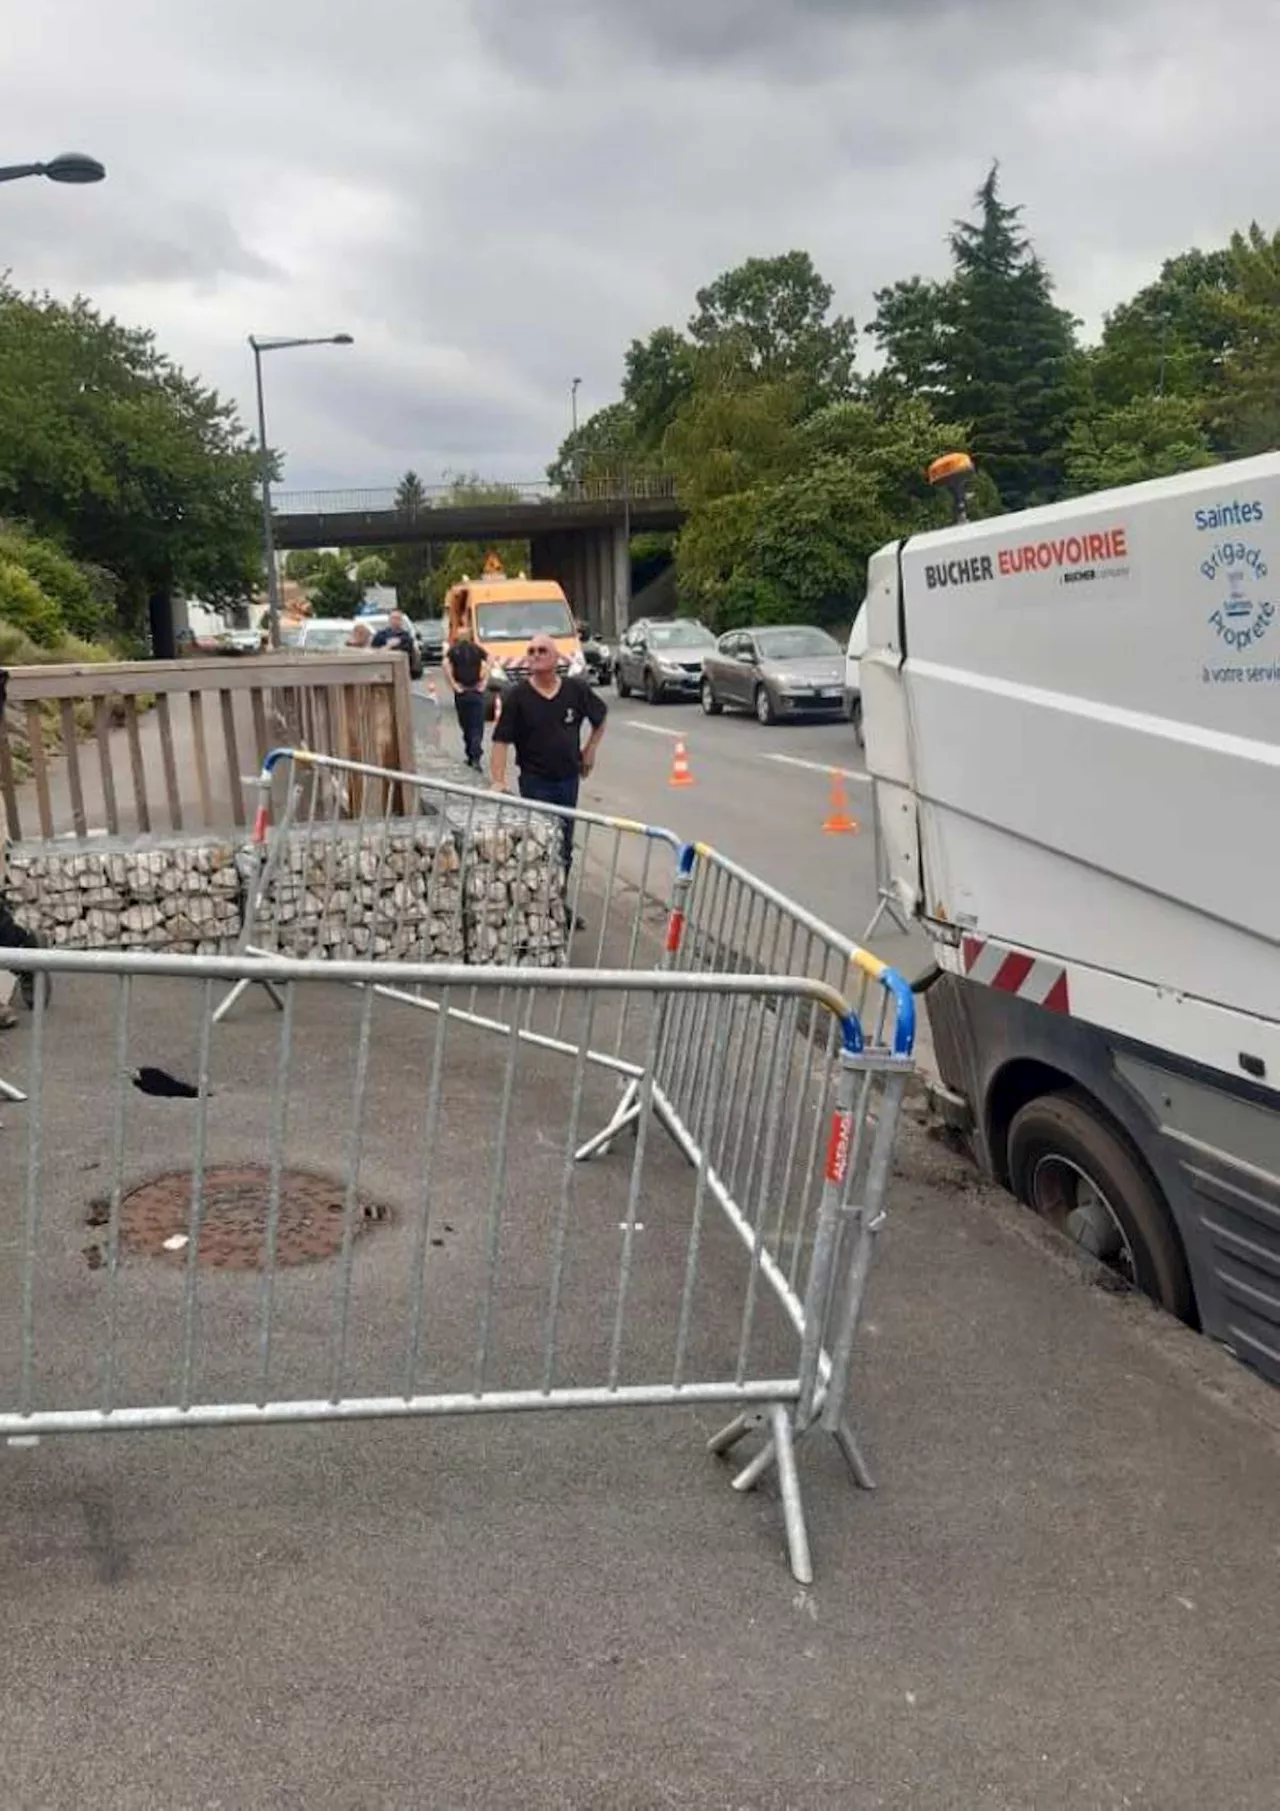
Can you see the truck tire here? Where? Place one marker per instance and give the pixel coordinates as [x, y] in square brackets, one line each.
[1071, 1166]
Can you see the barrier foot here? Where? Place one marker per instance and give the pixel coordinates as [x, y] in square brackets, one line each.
[272, 992]
[792, 1504]
[625, 1113]
[729, 1436]
[751, 1474]
[9, 1092]
[853, 1458]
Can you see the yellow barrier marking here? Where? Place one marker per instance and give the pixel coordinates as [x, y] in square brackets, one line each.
[703, 849]
[871, 964]
[627, 823]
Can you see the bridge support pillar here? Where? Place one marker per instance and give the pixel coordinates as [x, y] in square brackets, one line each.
[621, 577]
[594, 567]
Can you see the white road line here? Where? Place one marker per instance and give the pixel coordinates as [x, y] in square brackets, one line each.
[654, 729]
[849, 773]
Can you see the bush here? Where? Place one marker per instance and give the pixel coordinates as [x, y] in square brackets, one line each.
[84, 596]
[27, 607]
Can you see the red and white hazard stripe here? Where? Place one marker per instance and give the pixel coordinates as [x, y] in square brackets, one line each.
[1012, 971]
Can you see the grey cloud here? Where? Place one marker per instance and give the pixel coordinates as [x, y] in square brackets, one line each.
[494, 195]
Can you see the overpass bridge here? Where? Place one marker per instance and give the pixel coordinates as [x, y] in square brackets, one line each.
[578, 534]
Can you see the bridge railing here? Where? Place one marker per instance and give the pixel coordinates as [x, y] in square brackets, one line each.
[610, 488]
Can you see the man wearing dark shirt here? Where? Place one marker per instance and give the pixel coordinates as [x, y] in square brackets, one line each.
[542, 718]
[466, 667]
[398, 634]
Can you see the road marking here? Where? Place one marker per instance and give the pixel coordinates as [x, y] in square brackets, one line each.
[849, 773]
[654, 729]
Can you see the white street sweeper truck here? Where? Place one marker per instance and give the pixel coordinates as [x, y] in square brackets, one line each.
[1072, 723]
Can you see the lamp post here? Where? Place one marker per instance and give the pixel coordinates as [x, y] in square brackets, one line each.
[72, 166]
[573, 401]
[268, 535]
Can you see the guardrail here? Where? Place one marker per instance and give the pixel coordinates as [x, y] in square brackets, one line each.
[631, 487]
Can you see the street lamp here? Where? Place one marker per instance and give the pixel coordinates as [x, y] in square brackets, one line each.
[268, 536]
[573, 401]
[72, 166]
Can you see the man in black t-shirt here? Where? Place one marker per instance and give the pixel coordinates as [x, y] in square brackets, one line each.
[399, 635]
[466, 667]
[542, 718]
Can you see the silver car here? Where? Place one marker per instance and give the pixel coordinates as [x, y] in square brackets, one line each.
[787, 671]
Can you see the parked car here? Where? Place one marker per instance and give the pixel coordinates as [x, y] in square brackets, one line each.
[430, 634]
[853, 674]
[325, 634]
[662, 659]
[782, 671]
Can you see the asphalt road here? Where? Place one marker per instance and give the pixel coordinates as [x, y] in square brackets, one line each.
[759, 795]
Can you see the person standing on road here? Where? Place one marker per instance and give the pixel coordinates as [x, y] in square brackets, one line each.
[542, 718]
[466, 667]
[398, 634]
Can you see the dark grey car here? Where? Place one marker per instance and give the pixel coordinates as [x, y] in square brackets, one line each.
[662, 659]
[784, 671]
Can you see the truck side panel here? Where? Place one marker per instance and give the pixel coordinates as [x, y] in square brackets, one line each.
[1090, 697]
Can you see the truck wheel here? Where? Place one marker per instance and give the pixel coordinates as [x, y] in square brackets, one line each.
[1076, 1170]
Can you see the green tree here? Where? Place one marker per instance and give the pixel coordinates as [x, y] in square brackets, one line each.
[1248, 414]
[989, 347]
[793, 545]
[777, 313]
[372, 569]
[913, 326]
[658, 379]
[1150, 437]
[302, 563]
[411, 494]
[1013, 374]
[110, 450]
[600, 449]
[83, 597]
[733, 433]
[1171, 338]
[333, 587]
[26, 606]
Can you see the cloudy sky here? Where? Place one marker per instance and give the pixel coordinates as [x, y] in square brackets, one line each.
[494, 196]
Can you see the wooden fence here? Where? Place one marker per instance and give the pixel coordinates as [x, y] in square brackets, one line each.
[72, 738]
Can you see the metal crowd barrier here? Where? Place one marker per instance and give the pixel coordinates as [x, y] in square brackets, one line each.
[317, 815]
[497, 1243]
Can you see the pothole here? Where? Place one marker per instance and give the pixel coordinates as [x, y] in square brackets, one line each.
[235, 1218]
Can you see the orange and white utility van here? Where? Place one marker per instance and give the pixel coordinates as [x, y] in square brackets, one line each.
[503, 614]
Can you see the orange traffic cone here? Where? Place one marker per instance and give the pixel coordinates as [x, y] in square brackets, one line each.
[838, 821]
[680, 775]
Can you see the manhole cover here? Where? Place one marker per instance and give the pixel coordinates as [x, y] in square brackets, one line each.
[155, 1220]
